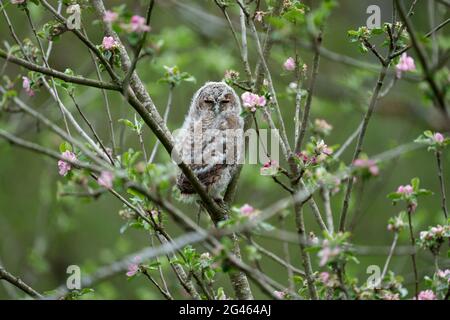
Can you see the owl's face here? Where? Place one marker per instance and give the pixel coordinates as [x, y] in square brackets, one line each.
[216, 98]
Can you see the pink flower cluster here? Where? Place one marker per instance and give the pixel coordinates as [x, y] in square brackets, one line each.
[251, 101]
[323, 127]
[390, 296]
[405, 64]
[279, 294]
[426, 295]
[110, 16]
[109, 43]
[327, 253]
[63, 166]
[106, 179]
[133, 268]
[322, 148]
[270, 168]
[324, 277]
[405, 190]
[367, 164]
[438, 137]
[307, 160]
[26, 85]
[138, 24]
[328, 279]
[248, 211]
[434, 232]
[289, 64]
[444, 274]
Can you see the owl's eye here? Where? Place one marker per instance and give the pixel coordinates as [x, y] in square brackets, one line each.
[225, 101]
[209, 102]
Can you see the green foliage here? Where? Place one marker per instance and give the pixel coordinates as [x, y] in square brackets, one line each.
[174, 76]
[429, 139]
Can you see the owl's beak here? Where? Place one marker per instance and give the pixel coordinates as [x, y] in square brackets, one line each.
[216, 109]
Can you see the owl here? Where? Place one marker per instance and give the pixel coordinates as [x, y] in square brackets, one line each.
[210, 141]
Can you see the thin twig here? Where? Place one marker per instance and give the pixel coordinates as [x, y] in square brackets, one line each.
[442, 183]
[360, 142]
[413, 254]
[17, 282]
[166, 117]
[312, 84]
[58, 74]
[389, 257]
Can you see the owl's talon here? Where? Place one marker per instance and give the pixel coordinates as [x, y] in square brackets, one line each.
[221, 203]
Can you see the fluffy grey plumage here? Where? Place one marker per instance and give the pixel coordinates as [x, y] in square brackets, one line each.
[211, 138]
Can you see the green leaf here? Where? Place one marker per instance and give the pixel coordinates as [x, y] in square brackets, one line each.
[377, 31]
[128, 123]
[65, 146]
[362, 48]
[424, 192]
[415, 182]
[394, 196]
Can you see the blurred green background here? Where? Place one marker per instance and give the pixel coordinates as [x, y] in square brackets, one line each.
[40, 235]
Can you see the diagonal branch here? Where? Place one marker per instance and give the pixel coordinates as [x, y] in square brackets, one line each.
[58, 74]
[17, 282]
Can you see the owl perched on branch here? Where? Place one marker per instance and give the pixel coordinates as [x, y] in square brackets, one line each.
[211, 139]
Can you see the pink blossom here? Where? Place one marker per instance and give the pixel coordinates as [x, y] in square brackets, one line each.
[270, 163]
[246, 210]
[303, 156]
[324, 277]
[279, 294]
[289, 64]
[405, 64]
[444, 274]
[259, 16]
[437, 231]
[327, 253]
[438, 137]
[270, 168]
[138, 24]
[321, 147]
[367, 164]
[110, 16]
[133, 268]
[106, 179]
[108, 43]
[426, 295]
[391, 296]
[252, 101]
[323, 125]
[26, 85]
[65, 167]
[374, 170]
[405, 190]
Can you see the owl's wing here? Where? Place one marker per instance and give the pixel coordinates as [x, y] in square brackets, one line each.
[206, 176]
[210, 166]
[211, 154]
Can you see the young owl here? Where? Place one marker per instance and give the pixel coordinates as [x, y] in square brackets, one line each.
[211, 139]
